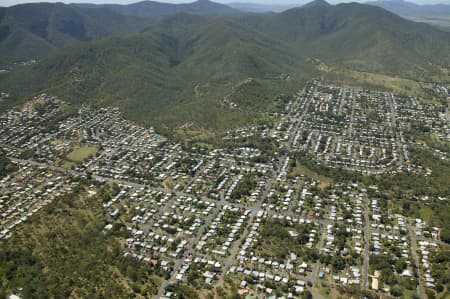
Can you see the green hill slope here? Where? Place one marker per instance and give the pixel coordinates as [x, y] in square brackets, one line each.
[179, 70]
[32, 31]
[374, 40]
[359, 36]
[156, 72]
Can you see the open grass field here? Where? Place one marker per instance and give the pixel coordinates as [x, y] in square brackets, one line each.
[81, 153]
[300, 169]
[375, 81]
[325, 292]
[68, 164]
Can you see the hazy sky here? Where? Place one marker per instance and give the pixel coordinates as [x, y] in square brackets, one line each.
[13, 2]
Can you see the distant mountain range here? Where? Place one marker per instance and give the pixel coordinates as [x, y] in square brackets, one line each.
[261, 8]
[32, 31]
[159, 9]
[409, 9]
[437, 15]
[400, 7]
[178, 68]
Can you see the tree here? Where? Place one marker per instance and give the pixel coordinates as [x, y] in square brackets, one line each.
[430, 293]
[396, 291]
[400, 265]
[307, 295]
[5, 165]
[445, 235]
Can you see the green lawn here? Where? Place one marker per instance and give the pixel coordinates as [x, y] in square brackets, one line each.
[374, 81]
[302, 169]
[80, 154]
[68, 164]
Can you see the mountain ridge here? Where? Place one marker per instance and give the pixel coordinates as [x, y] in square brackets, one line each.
[156, 9]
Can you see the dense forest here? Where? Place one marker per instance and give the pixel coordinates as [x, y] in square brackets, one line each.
[5, 165]
[63, 252]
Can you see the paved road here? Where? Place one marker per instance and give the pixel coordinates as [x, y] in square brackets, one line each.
[412, 235]
[188, 252]
[366, 244]
[352, 116]
[392, 110]
[342, 102]
[198, 173]
[398, 143]
[324, 223]
[271, 181]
